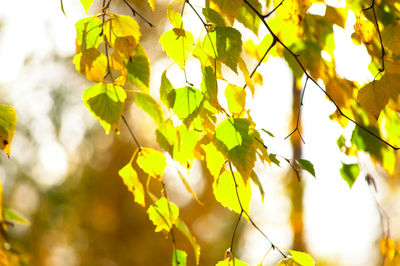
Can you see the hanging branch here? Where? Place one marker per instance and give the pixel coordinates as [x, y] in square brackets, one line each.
[242, 210]
[372, 6]
[134, 13]
[298, 114]
[296, 57]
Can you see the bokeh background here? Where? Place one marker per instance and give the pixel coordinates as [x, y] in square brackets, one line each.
[63, 171]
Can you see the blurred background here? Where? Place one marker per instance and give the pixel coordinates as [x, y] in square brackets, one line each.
[63, 171]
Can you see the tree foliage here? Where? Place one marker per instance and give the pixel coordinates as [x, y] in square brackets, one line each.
[193, 124]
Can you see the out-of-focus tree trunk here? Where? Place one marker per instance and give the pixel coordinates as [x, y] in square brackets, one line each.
[296, 188]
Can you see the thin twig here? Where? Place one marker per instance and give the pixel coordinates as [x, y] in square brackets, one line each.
[296, 57]
[372, 6]
[248, 216]
[131, 132]
[273, 10]
[298, 114]
[134, 13]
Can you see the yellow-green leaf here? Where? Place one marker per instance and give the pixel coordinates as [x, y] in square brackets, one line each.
[166, 136]
[178, 44]
[214, 159]
[186, 232]
[121, 26]
[152, 162]
[8, 122]
[225, 191]
[12, 216]
[228, 8]
[88, 32]
[188, 187]
[349, 173]
[125, 45]
[209, 86]
[106, 103]
[179, 258]
[236, 97]
[92, 64]
[225, 44]
[248, 17]
[186, 103]
[165, 88]
[150, 106]
[288, 262]
[214, 17]
[131, 180]
[86, 4]
[174, 17]
[234, 137]
[163, 214]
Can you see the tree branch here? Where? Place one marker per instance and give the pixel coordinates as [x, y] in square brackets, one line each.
[313, 80]
[134, 13]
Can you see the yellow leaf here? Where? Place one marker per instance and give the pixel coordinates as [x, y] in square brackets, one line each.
[336, 15]
[214, 159]
[152, 4]
[292, 10]
[245, 71]
[121, 26]
[174, 17]
[126, 45]
[236, 97]
[8, 122]
[188, 187]
[227, 8]
[91, 63]
[224, 189]
[131, 180]
[152, 162]
[258, 78]
[374, 96]
[364, 29]
[388, 248]
[341, 91]
[163, 214]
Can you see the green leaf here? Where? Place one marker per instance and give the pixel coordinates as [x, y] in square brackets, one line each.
[86, 4]
[178, 44]
[139, 69]
[272, 157]
[214, 17]
[227, 43]
[12, 216]
[185, 231]
[257, 182]
[131, 180]
[152, 162]
[229, 262]
[349, 173]
[236, 97]
[165, 88]
[88, 32]
[301, 258]
[106, 103]
[306, 165]
[179, 258]
[8, 123]
[186, 102]
[166, 136]
[150, 106]
[209, 86]
[248, 17]
[366, 142]
[234, 137]
[121, 26]
[163, 214]
[225, 191]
